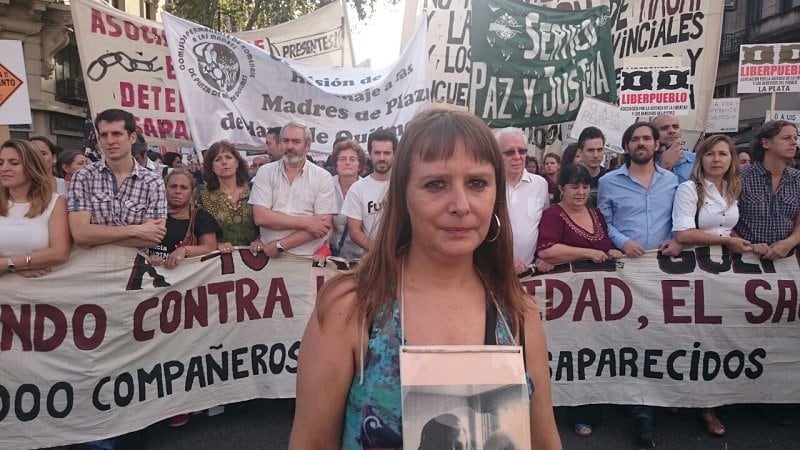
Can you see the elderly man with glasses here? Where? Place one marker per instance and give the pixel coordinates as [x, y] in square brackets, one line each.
[526, 195]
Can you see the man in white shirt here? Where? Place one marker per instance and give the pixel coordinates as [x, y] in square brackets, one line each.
[526, 195]
[364, 202]
[293, 200]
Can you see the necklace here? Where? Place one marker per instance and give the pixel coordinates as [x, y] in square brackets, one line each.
[232, 195]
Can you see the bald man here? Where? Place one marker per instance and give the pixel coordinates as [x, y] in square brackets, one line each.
[671, 156]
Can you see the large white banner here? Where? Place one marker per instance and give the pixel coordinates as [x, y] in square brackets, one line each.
[235, 91]
[126, 63]
[704, 329]
[105, 344]
[689, 30]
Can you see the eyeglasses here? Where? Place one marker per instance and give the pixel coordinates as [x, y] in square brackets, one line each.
[511, 152]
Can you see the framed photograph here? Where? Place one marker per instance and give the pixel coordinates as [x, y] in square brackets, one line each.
[468, 397]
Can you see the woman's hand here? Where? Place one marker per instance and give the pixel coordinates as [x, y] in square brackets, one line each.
[225, 247]
[597, 256]
[256, 247]
[615, 254]
[759, 249]
[738, 245]
[155, 260]
[34, 273]
[175, 257]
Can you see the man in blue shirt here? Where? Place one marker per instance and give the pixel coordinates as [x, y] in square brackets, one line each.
[636, 201]
[671, 156]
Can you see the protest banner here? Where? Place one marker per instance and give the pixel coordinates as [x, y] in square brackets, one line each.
[689, 30]
[654, 86]
[703, 329]
[105, 344]
[321, 37]
[605, 116]
[235, 91]
[769, 68]
[126, 63]
[534, 66]
[15, 105]
[723, 116]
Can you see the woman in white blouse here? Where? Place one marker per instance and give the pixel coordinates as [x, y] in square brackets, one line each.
[705, 212]
[34, 232]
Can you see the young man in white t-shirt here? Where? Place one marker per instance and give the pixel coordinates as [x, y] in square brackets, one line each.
[364, 202]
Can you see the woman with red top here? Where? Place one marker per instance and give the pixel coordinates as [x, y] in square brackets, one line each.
[570, 231]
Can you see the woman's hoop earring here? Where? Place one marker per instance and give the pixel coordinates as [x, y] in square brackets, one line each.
[496, 234]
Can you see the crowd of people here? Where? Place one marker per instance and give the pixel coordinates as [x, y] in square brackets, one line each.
[443, 221]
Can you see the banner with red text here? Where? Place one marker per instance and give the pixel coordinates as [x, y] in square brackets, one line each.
[105, 344]
[126, 63]
[769, 68]
[707, 328]
[235, 91]
[689, 30]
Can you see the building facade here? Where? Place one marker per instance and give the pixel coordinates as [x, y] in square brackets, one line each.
[59, 105]
[755, 22]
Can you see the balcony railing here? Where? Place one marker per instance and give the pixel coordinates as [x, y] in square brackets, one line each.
[731, 43]
[71, 91]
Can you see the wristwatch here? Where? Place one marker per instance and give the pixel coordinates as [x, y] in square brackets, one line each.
[10, 263]
[279, 247]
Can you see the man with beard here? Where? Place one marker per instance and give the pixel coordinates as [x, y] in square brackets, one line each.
[526, 194]
[293, 199]
[364, 202]
[636, 200]
[671, 156]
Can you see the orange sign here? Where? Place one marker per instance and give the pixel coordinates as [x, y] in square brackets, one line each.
[9, 83]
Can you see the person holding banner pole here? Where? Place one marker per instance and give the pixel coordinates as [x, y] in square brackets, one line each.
[636, 200]
[704, 213]
[34, 233]
[441, 264]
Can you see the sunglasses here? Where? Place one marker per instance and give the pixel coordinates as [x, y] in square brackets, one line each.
[512, 152]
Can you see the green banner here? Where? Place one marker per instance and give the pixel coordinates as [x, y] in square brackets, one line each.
[534, 66]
